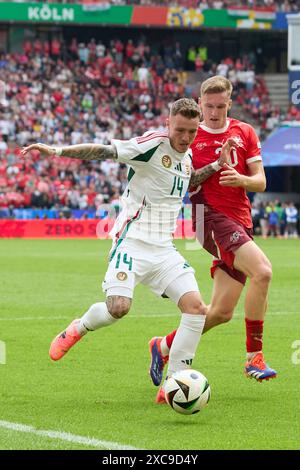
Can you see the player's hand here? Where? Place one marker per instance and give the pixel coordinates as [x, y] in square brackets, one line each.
[230, 177]
[42, 148]
[230, 143]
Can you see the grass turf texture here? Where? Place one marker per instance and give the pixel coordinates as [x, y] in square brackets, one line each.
[102, 390]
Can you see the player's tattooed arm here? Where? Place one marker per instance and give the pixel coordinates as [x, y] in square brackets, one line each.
[200, 175]
[90, 152]
[81, 151]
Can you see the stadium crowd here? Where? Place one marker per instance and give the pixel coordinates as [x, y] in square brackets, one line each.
[98, 93]
[278, 5]
[286, 5]
[276, 219]
[69, 94]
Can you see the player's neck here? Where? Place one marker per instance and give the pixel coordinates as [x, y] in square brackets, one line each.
[220, 130]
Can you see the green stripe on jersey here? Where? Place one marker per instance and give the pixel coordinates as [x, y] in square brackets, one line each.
[123, 233]
[145, 157]
[131, 173]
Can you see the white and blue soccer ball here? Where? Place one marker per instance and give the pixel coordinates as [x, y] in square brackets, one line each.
[187, 391]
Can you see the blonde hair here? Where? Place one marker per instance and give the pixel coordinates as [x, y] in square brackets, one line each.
[187, 107]
[216, 84]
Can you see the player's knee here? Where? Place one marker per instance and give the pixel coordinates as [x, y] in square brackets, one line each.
[197, 307]
[191, 302]
[225, 316]
[118, 306]
[222, 315]
[264, 274]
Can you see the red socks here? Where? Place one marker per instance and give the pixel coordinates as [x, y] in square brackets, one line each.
[169, 338]
[254, 334]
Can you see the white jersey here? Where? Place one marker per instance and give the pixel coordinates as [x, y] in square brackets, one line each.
[291, 215]
[158, 178]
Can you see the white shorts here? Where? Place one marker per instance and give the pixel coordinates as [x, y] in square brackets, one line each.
[157, 267]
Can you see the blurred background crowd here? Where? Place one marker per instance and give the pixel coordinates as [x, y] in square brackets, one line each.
[70, 92]
[100, 92]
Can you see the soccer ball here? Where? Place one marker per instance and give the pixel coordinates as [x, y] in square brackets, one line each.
[187, 391]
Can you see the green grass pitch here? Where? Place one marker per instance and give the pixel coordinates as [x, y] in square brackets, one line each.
[101, 389]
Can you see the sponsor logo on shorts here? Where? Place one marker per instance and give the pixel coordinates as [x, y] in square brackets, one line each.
[235, 237]
[122, 276]
[166, 161]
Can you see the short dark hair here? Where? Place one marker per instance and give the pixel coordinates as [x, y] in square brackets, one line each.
[187, 107]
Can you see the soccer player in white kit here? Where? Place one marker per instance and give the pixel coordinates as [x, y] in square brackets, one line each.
[143, 252]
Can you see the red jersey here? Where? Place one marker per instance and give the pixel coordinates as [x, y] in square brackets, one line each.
[206, 148]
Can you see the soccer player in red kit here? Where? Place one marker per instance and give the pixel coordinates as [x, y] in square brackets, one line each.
[227, 227]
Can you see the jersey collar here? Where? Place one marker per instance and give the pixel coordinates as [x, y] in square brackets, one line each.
[215, 131]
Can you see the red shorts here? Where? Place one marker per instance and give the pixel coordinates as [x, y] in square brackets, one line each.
[222, 237]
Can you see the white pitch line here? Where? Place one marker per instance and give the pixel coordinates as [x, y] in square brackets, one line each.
[270, 314]
[65, 436]
[136, 316]
[68, 318]
[32, 318]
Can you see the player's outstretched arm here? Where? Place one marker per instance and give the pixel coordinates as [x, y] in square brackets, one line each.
[81, 151]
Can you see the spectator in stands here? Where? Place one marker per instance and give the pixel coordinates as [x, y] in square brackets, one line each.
[222, 69]
[291, 221]
[191, 57]
[263, 220]
[255, 214]
[73, 49]
[273, 220]
[280, 209]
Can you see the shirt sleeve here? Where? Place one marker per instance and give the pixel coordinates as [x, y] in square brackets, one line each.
[138, 149]
[254, 147]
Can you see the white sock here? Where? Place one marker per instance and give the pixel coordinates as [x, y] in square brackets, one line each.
[185, 342]
[96, 317]
[164, 347]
